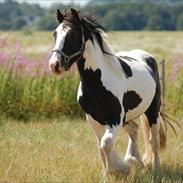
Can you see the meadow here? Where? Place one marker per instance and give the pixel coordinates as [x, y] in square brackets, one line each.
[65, 150]
[43, 134]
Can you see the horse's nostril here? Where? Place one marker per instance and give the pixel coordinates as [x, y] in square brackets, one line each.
[57, 67]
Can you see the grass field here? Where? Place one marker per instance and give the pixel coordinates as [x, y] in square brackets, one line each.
[38, 144]
[66, 151]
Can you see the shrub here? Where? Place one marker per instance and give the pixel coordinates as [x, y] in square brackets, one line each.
[29, 90]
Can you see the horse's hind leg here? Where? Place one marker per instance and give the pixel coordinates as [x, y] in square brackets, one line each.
[146, 135]
[132, 153]
[152, 142]
[151, 125]
[99, 132]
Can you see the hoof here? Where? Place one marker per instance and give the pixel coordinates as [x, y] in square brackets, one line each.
[133, 161]
[119, 169]
[150, 162]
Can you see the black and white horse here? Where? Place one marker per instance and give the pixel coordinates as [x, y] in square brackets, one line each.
[114, 89]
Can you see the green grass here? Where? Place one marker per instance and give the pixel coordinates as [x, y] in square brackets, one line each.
[25, 98]
[66, 151]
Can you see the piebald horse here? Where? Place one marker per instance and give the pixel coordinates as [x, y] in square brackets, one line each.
[114, 89]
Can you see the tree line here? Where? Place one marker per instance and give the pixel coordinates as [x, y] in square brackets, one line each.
[114, 15]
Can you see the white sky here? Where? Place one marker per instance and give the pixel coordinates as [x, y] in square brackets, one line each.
[47, 3]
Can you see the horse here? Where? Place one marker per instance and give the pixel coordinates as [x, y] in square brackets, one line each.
[114, 90]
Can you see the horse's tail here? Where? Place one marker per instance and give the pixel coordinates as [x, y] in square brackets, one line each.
[169, 121]
[165, 121]
[162, 133]
[146, 132]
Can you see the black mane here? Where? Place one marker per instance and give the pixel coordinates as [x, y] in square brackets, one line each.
[96, 29]
[90, 25]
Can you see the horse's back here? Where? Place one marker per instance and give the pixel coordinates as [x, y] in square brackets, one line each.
[137, 54]
[142, 57]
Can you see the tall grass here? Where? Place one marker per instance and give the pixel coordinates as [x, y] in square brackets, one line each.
[25, 98]
[28, 89]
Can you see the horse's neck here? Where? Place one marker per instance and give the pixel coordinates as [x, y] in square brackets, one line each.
[97, 63]
[96, 59]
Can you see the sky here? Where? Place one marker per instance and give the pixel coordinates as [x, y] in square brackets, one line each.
[47, 3]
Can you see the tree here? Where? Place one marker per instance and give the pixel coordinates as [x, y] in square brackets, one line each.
[46, 22]
[114, 15]
[179, 23]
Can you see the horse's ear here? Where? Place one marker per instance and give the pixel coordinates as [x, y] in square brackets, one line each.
[75, 13]
[59, 16]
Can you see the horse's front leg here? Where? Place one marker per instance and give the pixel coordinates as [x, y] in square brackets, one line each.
[132, 153]
[114, 164]
[99, 131]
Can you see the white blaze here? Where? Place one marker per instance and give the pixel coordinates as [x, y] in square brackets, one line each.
[61, 31]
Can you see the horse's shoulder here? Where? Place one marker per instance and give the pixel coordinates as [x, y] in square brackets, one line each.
[97, 100]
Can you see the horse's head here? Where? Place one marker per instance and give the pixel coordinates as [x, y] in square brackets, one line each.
[69, 42]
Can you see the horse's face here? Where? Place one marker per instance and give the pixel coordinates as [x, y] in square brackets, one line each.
[69, 42]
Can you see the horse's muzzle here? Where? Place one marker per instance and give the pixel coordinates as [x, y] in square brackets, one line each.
[56, 68]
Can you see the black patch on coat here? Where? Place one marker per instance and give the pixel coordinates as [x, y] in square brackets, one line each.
[100, 103]
[152, 67]
[126, 68]
[130, 101]
[152, 112]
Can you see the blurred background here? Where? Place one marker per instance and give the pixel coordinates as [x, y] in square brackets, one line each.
[114, 15]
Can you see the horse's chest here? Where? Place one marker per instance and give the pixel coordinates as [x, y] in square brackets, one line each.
[100, 103]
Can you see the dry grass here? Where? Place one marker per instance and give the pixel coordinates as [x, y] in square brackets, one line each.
[65, 151]
[161, 44]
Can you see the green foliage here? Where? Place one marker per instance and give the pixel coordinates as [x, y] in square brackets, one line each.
[116, 15]
[46, 22]
[14, 16]
[180, 22]
[175, 96]
[37, 97]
